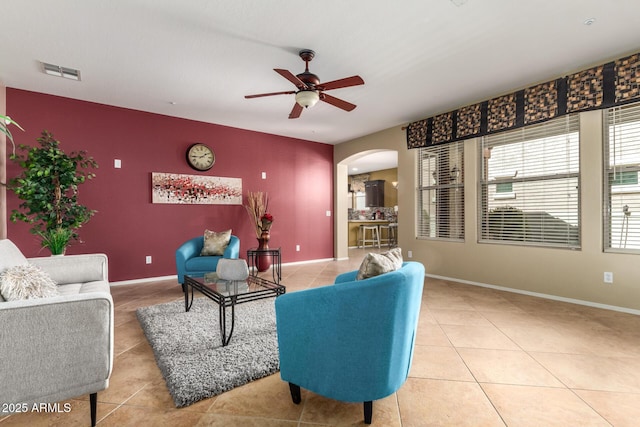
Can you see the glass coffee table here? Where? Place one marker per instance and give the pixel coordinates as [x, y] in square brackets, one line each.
[227, 294]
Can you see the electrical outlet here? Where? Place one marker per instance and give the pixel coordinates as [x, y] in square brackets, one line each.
[148, 259]
[117, 163]
[409, 254]
[264, 175]
[297, 248]
[608, 277]
[328, 213]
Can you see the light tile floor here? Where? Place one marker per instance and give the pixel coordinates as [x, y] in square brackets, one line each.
[482, 358]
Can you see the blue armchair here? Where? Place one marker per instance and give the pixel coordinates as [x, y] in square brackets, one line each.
[189, 261]
[352, 341]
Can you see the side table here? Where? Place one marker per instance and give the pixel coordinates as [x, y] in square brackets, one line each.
[276, 261]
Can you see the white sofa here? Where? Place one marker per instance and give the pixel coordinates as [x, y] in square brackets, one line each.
[57, 348]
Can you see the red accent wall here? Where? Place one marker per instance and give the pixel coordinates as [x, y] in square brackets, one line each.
[128, 227]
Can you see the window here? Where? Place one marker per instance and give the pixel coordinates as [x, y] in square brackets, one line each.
[504, 187]
[621, 189]
[529, 185]
[441, 192]
[359, 199]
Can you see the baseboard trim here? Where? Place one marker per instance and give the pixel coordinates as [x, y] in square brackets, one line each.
[539, 295]
[144, 280]
[311, 261]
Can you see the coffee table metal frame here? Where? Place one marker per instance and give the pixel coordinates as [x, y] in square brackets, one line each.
[264, 289]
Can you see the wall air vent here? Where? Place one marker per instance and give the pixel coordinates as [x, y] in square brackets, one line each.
[57, 70]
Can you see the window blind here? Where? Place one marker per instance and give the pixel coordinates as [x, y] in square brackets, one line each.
[529, 185]
[440, 207]
[621, 168]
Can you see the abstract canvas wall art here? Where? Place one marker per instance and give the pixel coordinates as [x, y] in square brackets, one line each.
[175, 188]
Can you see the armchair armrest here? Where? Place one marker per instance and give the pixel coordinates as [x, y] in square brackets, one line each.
[55, 348]
[346, 277]
[233, 248]
[74, 268]
[186, 251]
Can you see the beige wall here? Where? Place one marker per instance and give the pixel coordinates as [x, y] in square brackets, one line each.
[572, 274]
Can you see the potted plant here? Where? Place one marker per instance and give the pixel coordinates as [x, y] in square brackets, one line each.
[56, 239]
[5, 121]
[48, 188]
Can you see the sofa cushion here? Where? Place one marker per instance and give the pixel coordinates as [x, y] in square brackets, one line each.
[10, 255]
[215, 242]
[83, 288]
[26, 281]
[376, 264]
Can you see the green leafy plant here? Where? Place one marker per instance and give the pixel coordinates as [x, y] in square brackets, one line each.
[5, 121]
[48, 188]
[56, 239]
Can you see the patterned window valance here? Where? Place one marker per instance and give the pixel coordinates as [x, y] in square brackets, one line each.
[604, 86]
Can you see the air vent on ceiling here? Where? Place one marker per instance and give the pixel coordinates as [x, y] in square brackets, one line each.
[57, 70]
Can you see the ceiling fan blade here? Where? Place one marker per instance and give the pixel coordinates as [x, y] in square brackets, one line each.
[336, 102]
[292, 78]
[296, 111]
[346, 82]
[270, 94]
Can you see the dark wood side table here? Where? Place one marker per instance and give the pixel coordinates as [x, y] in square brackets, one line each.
[276, 261]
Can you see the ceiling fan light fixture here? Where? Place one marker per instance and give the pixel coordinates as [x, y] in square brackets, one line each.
[307, 98]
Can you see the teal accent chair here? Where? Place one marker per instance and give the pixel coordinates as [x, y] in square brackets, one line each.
[352, 341]
[189, 261]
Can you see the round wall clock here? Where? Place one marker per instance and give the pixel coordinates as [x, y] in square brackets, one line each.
[200, 157]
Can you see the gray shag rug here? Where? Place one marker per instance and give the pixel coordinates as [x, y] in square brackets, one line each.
[188, 349]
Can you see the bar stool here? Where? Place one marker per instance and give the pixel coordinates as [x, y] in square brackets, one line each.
[385, 239]
[374, 238]
[393, 234]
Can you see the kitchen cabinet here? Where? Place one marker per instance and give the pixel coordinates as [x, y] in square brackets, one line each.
[374, 193]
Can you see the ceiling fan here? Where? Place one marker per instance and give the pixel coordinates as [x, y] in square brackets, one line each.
[310, 90]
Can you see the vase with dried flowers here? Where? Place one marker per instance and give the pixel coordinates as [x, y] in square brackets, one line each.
[257, 204]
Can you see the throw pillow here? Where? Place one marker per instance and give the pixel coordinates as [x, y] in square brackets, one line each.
[376, 264]
[215, 243]
[26, 282]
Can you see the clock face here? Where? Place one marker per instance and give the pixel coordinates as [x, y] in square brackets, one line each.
[200, 157]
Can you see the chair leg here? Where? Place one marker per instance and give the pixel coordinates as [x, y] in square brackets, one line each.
[295, 393]
[93, 399]
[368, 411]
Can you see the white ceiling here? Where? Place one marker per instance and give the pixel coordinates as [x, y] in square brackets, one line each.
[380, 160]
[417, 57]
